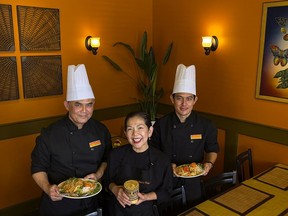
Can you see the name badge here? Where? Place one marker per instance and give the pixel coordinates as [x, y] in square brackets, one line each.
[95, 143]
[195, 136]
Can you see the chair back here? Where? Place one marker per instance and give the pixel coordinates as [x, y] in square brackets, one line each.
[244, 165]
[176, 205]
[218, 184]
[178, 195]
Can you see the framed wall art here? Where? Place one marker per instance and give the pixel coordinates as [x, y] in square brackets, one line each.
[6, 28]
[8, 79]
[272, 77]
[39, 28]
[42, 76]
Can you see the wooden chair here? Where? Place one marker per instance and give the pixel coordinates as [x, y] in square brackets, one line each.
[176, 205]
[218, 184]
[244, 165]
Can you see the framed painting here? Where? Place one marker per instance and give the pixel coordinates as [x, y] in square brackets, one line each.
[272, 77]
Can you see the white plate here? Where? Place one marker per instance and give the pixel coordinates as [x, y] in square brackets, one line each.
[192, 176]
[93, 192]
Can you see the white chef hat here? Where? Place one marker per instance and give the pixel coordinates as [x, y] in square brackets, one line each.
[78, 86]
[185, 80]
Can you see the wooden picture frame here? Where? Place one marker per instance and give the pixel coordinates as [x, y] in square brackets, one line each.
[272, 77]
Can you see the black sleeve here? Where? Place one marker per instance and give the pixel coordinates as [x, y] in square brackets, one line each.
[114, 161]
[40, 156]
[155, 140]
[211, 142]
[108, 143]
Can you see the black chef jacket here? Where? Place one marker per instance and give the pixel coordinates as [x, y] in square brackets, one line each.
[64, 151]
[151, 168]
[185, 143]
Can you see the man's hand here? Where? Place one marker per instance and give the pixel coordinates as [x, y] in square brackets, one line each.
[207, 168]
[53, 193]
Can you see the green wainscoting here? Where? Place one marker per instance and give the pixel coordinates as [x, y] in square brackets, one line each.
[34, 126]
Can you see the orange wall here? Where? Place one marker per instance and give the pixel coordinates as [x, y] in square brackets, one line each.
[226, 79]
[15, 171]
[264, 153]
[111, 20]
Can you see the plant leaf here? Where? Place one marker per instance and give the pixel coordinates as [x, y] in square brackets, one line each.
[114, 64]
[127, 46]
[167, 54]
[143, 46]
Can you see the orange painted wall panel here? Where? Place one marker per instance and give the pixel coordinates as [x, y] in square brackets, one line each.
[16, 182]
[264, 153]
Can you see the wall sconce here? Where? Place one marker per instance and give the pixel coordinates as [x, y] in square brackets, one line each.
[210, 43]
[92, 44]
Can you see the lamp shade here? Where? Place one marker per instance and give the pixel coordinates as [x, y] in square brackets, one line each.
[207, 41]
[95, 42]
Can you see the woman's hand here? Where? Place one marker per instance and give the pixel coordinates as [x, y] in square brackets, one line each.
[121, 196]
[141, 198]
[146, 197]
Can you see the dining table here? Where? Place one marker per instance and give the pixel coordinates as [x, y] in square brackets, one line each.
[261, 195]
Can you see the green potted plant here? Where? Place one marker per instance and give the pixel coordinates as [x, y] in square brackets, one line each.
[147, 78]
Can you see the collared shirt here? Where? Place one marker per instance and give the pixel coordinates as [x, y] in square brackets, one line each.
[185, 142]
[63, 151]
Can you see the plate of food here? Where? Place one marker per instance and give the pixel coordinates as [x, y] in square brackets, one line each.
[191, 170]
[79, 188]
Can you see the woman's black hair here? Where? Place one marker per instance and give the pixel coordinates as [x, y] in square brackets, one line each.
[145, 116]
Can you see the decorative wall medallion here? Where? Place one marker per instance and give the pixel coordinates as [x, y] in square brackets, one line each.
[42, 76]
[8, 79]
[6, 28]
[39, 28]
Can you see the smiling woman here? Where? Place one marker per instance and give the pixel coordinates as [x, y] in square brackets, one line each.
[142, 163]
